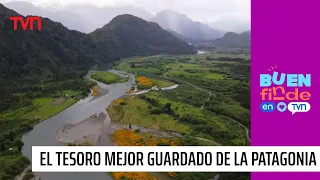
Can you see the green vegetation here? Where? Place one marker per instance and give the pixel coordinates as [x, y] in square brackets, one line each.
[42, 74]
[139, 112]
[233, 40]
[27, 107]
[161, 83]
[52, 54]
[57, 53]
[12, 164]
[108, 77]
[127, 36]
[226, 76]
[192, 141]
[28, 176]
[153, 110]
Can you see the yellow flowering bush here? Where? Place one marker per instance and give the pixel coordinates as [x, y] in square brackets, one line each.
[127, 137]
[133, 176]
[95, 91]
[144, 81]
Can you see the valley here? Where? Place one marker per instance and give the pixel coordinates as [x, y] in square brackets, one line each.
[197, 112]
[31, 107]
[159, 117]
[212, 95]
[131, 81]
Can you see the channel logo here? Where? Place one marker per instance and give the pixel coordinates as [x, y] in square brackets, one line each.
[278, 88]
[294, 107]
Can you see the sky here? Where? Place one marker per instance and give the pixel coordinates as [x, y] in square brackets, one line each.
[200, 10]
[225, 13]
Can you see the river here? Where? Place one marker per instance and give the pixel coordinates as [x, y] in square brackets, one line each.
[44, 133]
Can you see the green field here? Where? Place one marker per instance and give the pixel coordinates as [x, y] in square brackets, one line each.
[47, 108]
[136, 111]
[226, 76]
[160, 83]
[40, 103]
[108, 77]
[154, 110]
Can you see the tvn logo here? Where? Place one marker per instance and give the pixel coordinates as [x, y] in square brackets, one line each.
[278, 88]
[28, 22]
[293, 107]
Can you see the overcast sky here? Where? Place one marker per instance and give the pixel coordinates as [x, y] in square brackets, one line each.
[199, 10]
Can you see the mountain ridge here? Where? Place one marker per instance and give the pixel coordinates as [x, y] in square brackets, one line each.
[53, 52]
[182, 24]
[56, 52]
[128, 35]
[234, 40]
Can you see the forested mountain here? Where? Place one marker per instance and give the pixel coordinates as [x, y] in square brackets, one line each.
[233, 40]
[55, 52]
[51, 53]
[127, 35]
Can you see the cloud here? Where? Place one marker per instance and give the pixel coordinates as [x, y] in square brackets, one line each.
[201, 10]
[206, 11]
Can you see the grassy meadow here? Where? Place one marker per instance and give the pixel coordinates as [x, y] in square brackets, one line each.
[225, 76]
[36, 104]
[108, 77]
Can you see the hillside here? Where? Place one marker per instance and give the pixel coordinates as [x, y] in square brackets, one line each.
[35, 56]
[233, 40]
[127, 35]
[185, 26]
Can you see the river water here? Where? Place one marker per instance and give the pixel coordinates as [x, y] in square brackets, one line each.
[44, 133]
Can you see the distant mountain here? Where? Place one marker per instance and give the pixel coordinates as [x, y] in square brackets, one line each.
[53, 52]
[231, 24]
[183, 25]
[234, 40]
[178, 35]
[71, 20]
[127, 35]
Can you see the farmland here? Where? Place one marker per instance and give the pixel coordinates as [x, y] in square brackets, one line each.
[212, 98]
[218, 83]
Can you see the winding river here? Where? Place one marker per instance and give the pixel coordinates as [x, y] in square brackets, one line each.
[44, 133]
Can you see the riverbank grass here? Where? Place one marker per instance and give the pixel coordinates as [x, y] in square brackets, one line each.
[160, 83]
[133, 110]
[154, 110]
[47, 107]
[36, 104]
[108, 77]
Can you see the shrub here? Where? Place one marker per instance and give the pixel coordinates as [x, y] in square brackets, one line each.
[155, 111]
[28, 176]
[163, 144]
